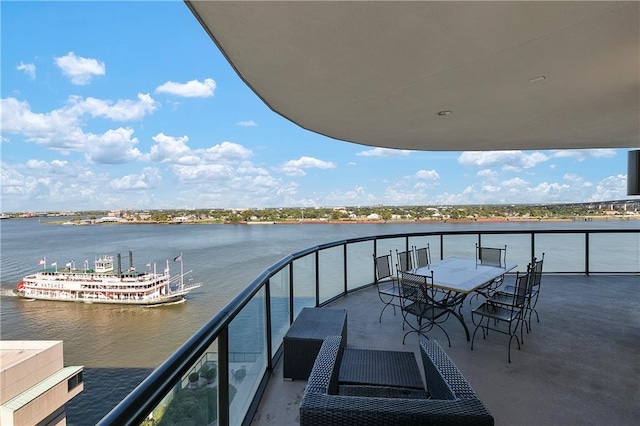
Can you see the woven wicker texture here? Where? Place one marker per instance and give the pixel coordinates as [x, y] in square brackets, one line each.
[382, 391]
[385, 368]
[320, 407]
[444, 380]
[305, 336]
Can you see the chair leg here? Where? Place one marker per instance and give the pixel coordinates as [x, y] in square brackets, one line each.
[423, 330]
[479, 325]
[537, 317]
[522, 322]
[509, 350]
[386, 305]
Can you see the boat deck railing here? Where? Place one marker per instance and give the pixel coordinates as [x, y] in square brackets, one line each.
[246, 335]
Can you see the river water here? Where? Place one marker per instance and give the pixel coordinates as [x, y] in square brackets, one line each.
[119, 345]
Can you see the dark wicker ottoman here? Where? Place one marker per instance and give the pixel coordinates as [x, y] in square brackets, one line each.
[380, 368]
[305, 336]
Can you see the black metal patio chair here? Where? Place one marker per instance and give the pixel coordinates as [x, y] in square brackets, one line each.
[386, 281]
[422, 256]
[491, 256]
[506, 317]
[430, 305]
[405, 261]
[505, 293]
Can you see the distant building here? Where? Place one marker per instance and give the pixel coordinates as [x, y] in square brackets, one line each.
[35, 384]
[108, 219]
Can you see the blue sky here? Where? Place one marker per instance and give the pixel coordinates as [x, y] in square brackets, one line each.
[130, 105]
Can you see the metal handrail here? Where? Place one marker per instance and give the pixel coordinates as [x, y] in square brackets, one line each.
[135, 408]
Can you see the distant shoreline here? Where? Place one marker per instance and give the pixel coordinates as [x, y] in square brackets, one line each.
[358, 222]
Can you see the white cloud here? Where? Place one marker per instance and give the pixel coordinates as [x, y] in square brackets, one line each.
[55, 167]
[112, 147]
[490, 188]
[296, 167]
[573, 188]
[122, 110]
[582, 154]
[610, 188]
[29, 69]
[515, 183]
[355, 196]
[427, 174]
[149, 178]
[55, 129]
[169, 149]
[203, 172]
[384, 152]
[224, 166]
[15, 183]
[550, 191]
[509, 160]
[55, 185]
[247, 123]
[190, 89]
[246, 168]
[487, 173]
[80, 70]
[511, 169]
[61, 129]
[574, 179]
[227, 151]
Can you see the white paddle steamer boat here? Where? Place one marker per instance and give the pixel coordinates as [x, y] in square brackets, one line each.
[106, 283]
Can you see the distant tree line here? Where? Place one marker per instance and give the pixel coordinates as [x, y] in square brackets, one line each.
[383, 213]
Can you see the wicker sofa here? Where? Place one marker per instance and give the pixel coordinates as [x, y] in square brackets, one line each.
[447, 400]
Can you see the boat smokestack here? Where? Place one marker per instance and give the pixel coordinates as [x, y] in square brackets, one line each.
[119, 266]
[130, 260]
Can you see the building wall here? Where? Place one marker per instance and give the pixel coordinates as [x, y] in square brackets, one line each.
[31, 371]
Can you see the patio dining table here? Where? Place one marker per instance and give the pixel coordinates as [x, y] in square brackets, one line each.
[462, 276]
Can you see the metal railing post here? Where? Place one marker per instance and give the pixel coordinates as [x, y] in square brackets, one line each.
[267, 307]
[317, 278]
[223, 377]
[586, 253]
[345, 268]
[533, 245]
[291, 295]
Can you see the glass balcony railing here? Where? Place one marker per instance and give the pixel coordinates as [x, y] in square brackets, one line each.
[243, 341]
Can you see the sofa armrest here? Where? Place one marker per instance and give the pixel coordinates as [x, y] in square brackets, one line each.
[327, 410]
[444, 380]
[324, 374]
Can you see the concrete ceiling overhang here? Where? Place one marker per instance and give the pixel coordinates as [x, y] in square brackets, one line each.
[378, 72]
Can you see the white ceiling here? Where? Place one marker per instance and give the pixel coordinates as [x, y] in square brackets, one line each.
[377, 73]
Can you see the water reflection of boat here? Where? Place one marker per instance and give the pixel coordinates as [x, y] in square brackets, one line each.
[106, 283]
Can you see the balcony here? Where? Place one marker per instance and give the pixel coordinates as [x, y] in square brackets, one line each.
[577, 366]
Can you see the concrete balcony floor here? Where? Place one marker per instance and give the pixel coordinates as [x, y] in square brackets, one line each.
[580, 365]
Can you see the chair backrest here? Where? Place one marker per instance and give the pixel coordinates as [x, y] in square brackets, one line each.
[383, 267]
[491, 256]
[522, 288]
[417, 288]
[405, 261]
[423, 256]
[536, 271]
